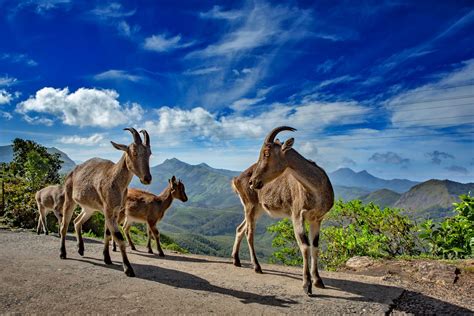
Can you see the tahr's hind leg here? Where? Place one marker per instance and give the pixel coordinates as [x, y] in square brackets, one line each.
[239, 234]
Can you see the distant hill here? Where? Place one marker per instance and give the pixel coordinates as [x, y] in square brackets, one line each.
[433, 198]
[6, 155]
[349, 178]
[382, 197]
[205, 186]
[348, 193]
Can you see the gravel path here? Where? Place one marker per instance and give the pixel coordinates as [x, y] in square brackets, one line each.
[34, 280]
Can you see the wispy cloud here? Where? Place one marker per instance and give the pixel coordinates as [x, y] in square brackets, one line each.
[114, 74]
[112, 10]
[18, 59]
[163, 43]
[114, 14]
[38, 120]
[6, 81]
[217, 13]
[84, 107]
[246, 51]
[202, 71]
[78, 140]
[446, 102]
[264, 25]
[42, 7]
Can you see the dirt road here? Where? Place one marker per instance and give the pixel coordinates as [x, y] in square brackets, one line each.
[34, 280]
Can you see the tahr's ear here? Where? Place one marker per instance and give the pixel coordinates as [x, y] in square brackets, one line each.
[288, 144]
[173, 179]
[119, 146]
[277, 141]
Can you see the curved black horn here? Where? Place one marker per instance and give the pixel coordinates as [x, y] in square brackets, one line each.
[146, 137]
[136, 136]
[271, 136]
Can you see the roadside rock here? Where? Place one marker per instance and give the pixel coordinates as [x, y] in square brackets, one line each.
[359, 262]
[437, 272]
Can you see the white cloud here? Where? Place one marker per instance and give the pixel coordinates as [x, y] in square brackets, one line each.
[264, 25]
[78, 140]
[341, 79]
[163, 43]
[84, 107]
[5, 96]
[124, 29]
[309, 149]
[6, 81]
[217, 13]
[114, 74]
[447, 102]
[18, 59]
[6, 115]
[198, 122]
[42, 6]
[38, 120]
[244, 103]
[113, 10]
[201, 71]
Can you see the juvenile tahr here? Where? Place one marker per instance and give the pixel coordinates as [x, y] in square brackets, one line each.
[49, 199]
[148, 208]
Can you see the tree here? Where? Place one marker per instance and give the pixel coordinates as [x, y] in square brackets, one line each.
[32, 168]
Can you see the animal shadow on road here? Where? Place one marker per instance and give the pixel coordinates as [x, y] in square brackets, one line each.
[178, 258]
[185, 280]
[409, 301]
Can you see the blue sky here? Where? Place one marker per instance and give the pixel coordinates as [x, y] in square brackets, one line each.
[386, 86]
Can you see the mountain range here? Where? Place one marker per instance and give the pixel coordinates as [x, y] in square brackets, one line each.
[6, 155]
[206, 223]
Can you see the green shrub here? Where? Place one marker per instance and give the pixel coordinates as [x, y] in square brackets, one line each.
[454, 237]
[351, 229]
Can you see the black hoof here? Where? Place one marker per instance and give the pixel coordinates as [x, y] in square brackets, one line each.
[307, 289]
[258, 270]
[46, 233]
[80, 251]
[149, 250]
[133, 248]
[129, 272]
[107, 259]
[161, 254]
[38, 232]
[237, 262]
[62, 256]
[319, 284]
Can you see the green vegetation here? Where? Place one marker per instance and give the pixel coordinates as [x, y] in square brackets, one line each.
[352, 229]
[453, 238]
[31, 169]
[357, 229]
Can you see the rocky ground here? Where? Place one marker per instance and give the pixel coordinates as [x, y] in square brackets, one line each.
[34, 280]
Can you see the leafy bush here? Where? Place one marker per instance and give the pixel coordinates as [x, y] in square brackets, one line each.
[351, 229]
[454, 237]
[288, 251]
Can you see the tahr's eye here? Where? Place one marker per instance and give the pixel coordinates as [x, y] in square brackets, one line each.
[266, 153]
